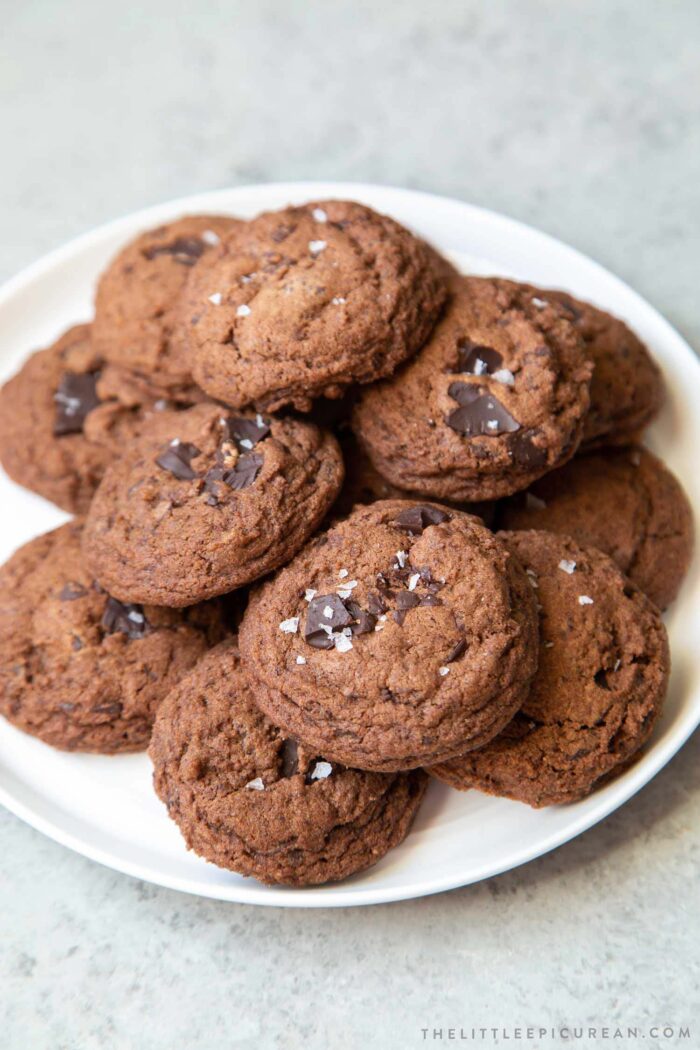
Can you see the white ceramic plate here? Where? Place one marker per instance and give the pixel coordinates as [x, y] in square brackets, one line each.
[104, 807]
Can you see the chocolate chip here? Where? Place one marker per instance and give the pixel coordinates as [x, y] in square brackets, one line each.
[245, 471]
[477, 360]
[456, 651]
[70, 591]
[290, 758]
[185, 250]
[316, 630]
[75, 397]
[124, 617]
[176, 458]
[430, 599]
[479, 413]
[415, 519]
[240, 430]
[524, 450]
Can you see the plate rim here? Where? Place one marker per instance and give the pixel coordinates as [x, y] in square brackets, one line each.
[606, 800]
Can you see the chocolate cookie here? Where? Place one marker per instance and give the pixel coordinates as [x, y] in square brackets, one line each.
[404, 633]
[137, 297]
[364, 484]
[58, 426]
[247, 797]
[208, 501]
[79, 669]
[496, 398]
[602, 678]
[623, 501]
[627, 387]
[302, 302]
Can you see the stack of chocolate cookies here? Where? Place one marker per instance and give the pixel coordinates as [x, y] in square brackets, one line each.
[344, 520]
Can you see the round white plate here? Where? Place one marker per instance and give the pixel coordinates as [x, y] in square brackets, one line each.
[104, 807]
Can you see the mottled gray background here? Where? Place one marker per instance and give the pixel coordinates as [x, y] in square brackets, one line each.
[580, 117]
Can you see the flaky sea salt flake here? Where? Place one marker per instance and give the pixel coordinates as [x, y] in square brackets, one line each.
[583, 599]
[290, 626]
[215, 298]
[243, 310]
[320, 771]
[255, 785]
[567, 566]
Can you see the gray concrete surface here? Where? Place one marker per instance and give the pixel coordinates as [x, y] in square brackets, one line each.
[579, 117]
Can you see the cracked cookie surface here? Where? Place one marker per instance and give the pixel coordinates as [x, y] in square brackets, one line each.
[137, 300]
[248, 797]
[207, 501]
[496, 398]
[300, 303]
[78, 669]
[403, 633]
[623, 501]
[602, 679]
[60, 421]
[627, 387]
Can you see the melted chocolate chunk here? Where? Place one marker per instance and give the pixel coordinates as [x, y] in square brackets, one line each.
[415, 519]
[456, 651]
[407, 600]
[70, 591]
[176, 458]
[290, 758]
[525, 451]
[246, 432]
[75, 397]
[245, 471]
[477, 360]
[326, 613]
[364, 621]
[185, 250]
[431, 599]
[376, 604]
[129, 619]
[479, 413]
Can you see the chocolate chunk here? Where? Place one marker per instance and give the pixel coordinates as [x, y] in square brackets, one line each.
[407, 600]
[456, 651]
[75, 397]
[290, 758]
[245, 471]
[479, 413]
[246, 432]
[430, 599]
[524, 450]
[185, 250]
[417, 518]
[477, 360]
[316, 630]
[70, 591]
[176, 457]
[127, 618]
[376, 604]
[364, 621]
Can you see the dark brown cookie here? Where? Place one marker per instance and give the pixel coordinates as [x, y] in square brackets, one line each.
[137, 297]
[303, 302]
[602, 678]
[496, 398]
[58, 425]
[364, 484]
[627, 387]
[248, 798]
[206, 502]
[79, 669]
[623, 501]
[405, 632]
